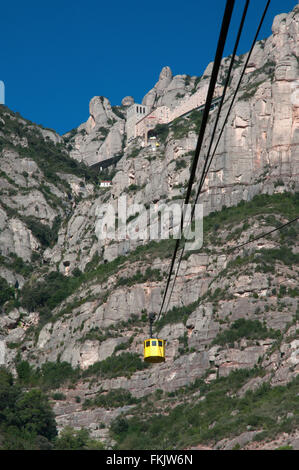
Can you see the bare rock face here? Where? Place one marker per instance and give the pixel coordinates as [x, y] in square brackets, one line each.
[23, 198]
[48, 134]
[90, 352]
[253, 115]
[169, 89]
[165, 75]
[16, 238]
[258, 152]
[100, 111]
[165, 79]
[34, 204]
[266, 114]
[240, 441]
[101, 137]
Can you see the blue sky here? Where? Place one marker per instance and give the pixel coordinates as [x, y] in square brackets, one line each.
[55, 58]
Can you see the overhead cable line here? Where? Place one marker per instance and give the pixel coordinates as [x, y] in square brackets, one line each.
[212, 136]
[205, 171]
[263, 235]
[218, 56]
[234, 96]
[206, 164]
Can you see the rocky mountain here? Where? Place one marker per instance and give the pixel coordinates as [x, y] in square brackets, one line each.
[74, 308]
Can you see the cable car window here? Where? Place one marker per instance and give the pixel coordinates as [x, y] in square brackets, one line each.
[160, 343]
[148, 343]
[154, 343]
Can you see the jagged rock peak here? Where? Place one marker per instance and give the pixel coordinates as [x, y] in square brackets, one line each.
[98, 106]
[100, 111]
[165, 79]
[127, 101]
[165, 73]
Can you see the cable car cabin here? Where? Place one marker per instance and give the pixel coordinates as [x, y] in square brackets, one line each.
[154, 350]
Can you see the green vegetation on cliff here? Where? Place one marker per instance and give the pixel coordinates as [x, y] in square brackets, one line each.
[113, 399]
[26, 418]
[27, 421]
[242, 328]
[47, 293]
[51, 375]
[215, 411]
[50, 157]
[6, 292]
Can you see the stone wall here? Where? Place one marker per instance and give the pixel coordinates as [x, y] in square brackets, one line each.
[164, 115]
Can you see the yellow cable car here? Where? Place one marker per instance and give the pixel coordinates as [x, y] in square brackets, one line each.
[154, 350]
